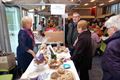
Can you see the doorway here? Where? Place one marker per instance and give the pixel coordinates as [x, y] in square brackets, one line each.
[13, 22]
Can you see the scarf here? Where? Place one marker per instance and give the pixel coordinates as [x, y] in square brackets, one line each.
[29, 32]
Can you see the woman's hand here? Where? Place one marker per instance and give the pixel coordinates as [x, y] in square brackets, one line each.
[31, 52]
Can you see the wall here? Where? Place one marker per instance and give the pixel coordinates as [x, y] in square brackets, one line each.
[82, 12]
[88, 11]
[99, 11]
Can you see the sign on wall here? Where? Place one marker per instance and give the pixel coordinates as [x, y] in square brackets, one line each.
[57, 9]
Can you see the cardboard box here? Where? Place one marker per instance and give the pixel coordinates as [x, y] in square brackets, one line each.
[57, 36]
[7, 61]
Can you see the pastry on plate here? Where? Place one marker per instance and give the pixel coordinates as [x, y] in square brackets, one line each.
[69, 75]
[62, 74]
[61, 71]
[43, 46]
[55, 75]
[54, 64]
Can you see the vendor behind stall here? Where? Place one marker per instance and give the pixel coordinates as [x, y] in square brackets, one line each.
[51, 26]
[26, 43]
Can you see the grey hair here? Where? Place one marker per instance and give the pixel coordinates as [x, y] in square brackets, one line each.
[113, 21]
[76, 13]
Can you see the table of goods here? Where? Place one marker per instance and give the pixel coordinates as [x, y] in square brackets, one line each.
[51, 63]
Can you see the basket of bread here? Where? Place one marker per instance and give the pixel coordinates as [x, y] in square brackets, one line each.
[41, 59]
[60, 49]
[62, 74]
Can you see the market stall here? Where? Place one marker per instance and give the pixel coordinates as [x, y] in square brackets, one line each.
[52, 67]
[49, 38]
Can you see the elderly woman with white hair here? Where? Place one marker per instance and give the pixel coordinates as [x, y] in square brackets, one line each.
[26, 44]
[111, 57]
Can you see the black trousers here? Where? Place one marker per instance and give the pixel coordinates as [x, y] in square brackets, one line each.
[84, 74]
[71, 50]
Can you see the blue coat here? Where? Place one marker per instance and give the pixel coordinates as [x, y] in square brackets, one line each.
[111, 58]
[25, 42]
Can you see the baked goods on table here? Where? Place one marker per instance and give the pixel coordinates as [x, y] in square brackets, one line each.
[62, 74]
[61, 71]
[60, 49]
[68, 76]
[41, 59]
[54, 64]
[55, 75]
[43, 48]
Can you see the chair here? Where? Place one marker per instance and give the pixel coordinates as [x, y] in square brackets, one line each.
[7, 70]
[6, 77]
[8, 62]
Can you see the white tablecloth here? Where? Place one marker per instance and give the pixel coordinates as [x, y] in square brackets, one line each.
[44, 71]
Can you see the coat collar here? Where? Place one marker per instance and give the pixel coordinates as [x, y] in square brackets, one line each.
[116, 35]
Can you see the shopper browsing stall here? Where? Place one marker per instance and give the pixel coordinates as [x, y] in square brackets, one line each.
[82, 55]
[111, 57]
[72, 31]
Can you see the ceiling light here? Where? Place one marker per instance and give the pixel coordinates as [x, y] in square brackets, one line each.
[111, 0]
[85, 4]
[72, 0]
[92, 0]
[94, 7]
[6, 1]
[43, 5]
[101, 4]
[31, 10]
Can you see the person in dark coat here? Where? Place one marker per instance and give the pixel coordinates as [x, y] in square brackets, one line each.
[111, 58]
[72, 32]
[82, 55]
[26, 44]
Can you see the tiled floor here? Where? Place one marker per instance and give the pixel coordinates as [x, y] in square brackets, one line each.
[96, 72]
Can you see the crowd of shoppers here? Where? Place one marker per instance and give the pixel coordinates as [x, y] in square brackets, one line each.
[81, 46]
